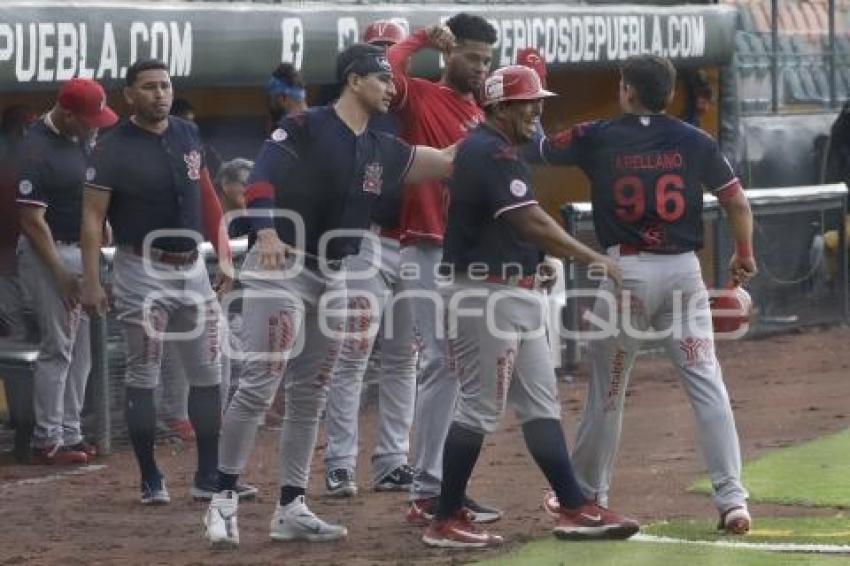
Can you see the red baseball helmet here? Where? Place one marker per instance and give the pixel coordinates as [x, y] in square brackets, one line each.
[384, 32]
[731, 310]
[531, 58]
[515, 82]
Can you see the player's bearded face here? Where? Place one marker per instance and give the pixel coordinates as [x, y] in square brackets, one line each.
[468, 65]
[151, 95]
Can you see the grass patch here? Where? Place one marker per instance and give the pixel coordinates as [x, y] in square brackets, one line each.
[552, 552]
[816, 473]
[799, 530]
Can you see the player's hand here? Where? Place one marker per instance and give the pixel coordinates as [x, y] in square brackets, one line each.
[223, 284]
[441, 38]
[272, 251]
[69, 289]
[547, 276]
[742, 269]
[94, 299]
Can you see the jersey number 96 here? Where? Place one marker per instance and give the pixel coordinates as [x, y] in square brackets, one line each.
[630, 197]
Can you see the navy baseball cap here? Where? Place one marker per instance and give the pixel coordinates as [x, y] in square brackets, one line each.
[362, 59]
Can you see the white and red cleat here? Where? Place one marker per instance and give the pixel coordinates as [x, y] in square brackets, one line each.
[459, 532]
[590, 521]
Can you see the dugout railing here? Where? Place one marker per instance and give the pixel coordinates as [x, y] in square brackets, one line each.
[800, 243]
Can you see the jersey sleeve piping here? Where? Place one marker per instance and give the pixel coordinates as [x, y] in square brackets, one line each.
[513, 206]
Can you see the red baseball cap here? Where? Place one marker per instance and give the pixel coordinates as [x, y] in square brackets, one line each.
[531, 58]
[86, 99]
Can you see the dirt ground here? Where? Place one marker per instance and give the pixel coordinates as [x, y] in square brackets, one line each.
[785, 390]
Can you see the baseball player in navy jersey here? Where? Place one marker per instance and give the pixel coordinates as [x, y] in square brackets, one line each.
[648, 172]
[368, 298]
[494, 312]
[323, 169]
[53, 164]
[149, 178]
[439, 114]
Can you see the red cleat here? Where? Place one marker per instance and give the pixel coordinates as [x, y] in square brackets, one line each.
[89, 449]
[56, 455]
[183, 429]
[421, 511]
[590, 521]
[459, 532]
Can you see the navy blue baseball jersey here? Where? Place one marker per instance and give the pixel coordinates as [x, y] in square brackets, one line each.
[315, 166]
[647, 175]
[51, 174]
[387, 208]
[490, 178]
[154, 180]
[387, 123]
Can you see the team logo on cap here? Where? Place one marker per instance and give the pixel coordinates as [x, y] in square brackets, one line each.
[193, 164]
[518, 188]
[25, 187]
[90, 174]
[494, 88]
[279, 135]
[372, 178]
[383, 63]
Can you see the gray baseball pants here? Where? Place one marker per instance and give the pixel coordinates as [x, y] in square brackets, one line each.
[161, 299]
[498, 348]
[371, 299]
[665, 293]
[437, 386]
[288, 328]
[64, 359]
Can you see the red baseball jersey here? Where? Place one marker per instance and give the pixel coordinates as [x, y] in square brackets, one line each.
[433, 114]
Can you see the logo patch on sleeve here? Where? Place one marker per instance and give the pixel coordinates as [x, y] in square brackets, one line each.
[372, 178]
[25, 187]
[193, 164]
[279, 135]
[518, 188]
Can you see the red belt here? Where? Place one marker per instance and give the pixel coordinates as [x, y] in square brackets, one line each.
[527, 282]
[171, 258]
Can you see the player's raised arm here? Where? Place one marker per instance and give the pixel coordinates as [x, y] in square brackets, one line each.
[438, 37]
[561, 148]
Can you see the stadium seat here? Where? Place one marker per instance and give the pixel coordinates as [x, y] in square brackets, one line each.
[797, 18]
[761, 16]
[810, 17]
[822, 16]
[745, 19]
[819, 75]
[787, 24]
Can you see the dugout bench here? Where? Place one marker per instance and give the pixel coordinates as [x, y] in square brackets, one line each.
[17, 361]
